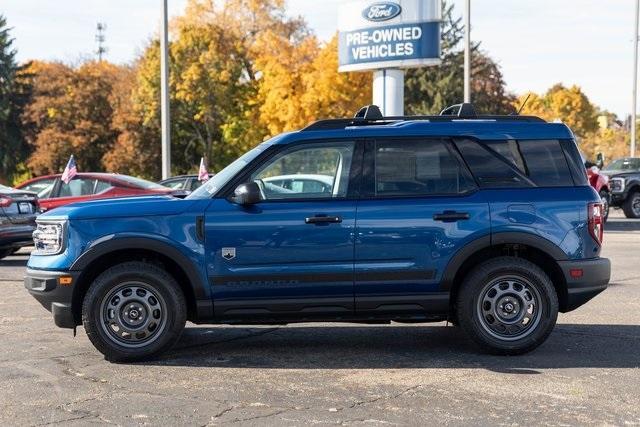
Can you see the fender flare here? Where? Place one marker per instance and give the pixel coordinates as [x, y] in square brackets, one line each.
[115, 243]
[485, 242]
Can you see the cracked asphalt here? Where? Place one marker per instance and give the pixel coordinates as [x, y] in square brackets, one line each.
[587, 373]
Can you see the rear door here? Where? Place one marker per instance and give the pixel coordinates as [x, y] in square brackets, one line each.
[419, 206]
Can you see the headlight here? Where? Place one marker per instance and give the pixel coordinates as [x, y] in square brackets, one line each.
[617, 185]
[48, 237]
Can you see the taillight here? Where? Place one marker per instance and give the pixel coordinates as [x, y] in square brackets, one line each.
[596, 221]
[5, 202]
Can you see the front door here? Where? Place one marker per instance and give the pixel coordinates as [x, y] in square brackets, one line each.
[291, 255]
[419, 206]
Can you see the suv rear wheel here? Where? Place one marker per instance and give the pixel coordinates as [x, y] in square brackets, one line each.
[5, 253]
[134, 311]
[507, 305]
[631, 206]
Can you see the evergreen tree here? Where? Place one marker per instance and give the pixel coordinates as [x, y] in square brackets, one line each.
[13, 98]
[428, 90]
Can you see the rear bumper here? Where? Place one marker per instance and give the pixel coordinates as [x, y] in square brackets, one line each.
[16, 235]
[594, 278]
[45, 287]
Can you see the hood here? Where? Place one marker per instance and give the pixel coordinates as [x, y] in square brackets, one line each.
[620, 173]
[121, 208]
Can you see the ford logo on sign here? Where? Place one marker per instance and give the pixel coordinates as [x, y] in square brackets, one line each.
[382, 11]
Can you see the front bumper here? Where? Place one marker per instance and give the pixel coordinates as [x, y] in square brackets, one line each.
[46, 288]
[594, 278]
[16, 235]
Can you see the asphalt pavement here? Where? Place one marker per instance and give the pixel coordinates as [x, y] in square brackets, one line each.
[587, 373]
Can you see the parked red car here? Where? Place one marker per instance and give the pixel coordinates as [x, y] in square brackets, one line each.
[52, 192]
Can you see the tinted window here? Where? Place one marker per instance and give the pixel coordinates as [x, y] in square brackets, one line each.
[489, 168]
[418, 168]
[326, 166]
[543, 161]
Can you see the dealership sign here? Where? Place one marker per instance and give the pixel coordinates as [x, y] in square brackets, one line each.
[389, 34]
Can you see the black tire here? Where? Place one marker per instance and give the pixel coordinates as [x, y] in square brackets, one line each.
[606, 202]
[5, 253]
[631, 206]
[119, 292]
[526, 285]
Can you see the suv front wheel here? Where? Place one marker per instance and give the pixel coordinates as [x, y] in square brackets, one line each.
[507, 305]
[134, 311]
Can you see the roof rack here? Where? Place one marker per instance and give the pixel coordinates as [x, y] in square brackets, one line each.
[371, 115]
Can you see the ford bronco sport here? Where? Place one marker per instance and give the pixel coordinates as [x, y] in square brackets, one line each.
[486, 221]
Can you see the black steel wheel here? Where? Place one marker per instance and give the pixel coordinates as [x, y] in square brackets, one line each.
[134, 311]
[631, 205]
[507, 305]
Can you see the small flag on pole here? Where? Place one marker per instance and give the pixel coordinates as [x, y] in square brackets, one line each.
[203, 174]
[70, 171]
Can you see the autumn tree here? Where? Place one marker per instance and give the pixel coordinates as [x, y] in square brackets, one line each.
[14, 94]
[70, 113]
[569, 105]
[429, 90]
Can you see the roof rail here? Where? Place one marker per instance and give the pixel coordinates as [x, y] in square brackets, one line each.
[372, 116]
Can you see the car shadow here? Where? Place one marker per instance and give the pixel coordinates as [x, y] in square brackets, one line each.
[622, 224]
[386, 347]
[14, 261]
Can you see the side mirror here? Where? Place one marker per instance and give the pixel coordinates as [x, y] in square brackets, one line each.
[247, 194]
[600, 160]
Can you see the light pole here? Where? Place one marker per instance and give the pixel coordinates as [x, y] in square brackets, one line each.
[467, 50]
[164, 93]
[635, 81]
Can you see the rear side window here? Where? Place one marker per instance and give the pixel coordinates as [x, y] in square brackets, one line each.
[542, 162]
[418, 168]
[491, 169]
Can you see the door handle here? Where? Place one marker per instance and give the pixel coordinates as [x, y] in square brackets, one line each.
[322, 219]
[451, 216]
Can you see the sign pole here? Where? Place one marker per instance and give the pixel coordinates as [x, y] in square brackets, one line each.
[388, 91]
[635, 82]
[164, 93]
[467, 50]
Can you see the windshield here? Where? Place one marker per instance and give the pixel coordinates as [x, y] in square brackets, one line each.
[142, 183]
[623, 165]
[211, 187]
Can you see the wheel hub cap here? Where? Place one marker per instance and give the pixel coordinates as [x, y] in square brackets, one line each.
[133, 315]
[509, 308]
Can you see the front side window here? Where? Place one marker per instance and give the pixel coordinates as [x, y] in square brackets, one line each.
[77, 187]
[313, 171]
[418, 168]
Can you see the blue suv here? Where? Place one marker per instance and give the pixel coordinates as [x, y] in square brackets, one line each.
[487, 222]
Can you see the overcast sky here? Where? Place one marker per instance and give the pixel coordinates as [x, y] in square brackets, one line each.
[536, 42]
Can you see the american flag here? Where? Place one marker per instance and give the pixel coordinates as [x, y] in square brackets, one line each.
[203, 174]
[70, 171]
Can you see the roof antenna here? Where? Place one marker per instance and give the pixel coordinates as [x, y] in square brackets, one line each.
[523, 104]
